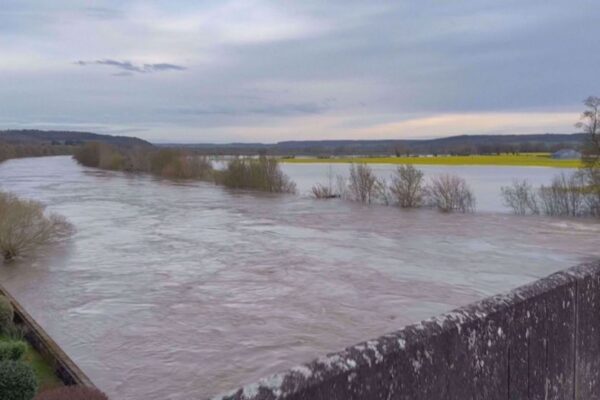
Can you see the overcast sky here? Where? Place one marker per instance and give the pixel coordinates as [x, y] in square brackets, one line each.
[246, 70]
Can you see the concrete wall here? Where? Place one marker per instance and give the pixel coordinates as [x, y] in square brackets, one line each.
[540, 341]
[63, 366]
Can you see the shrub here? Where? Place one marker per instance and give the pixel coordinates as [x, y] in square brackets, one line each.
[320, 191]
[110, 158]
[363, 186]
[407, 186]
[17, 381]
[450, 193]
[88, 154]
[564, 197]
[7, 314]
[521, 198]
[177, 164]
[24, 225]
[592, 190]
[263, 174]
[12, 350]
[72, 393]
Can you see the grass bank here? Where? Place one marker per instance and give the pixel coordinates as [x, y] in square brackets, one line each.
[525, 160]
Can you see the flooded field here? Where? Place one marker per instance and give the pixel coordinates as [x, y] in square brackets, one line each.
[185, 290]
[485, 181]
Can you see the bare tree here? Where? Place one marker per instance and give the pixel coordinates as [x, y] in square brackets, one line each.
[363, 185]
[24, 226]
[590, 123]
[565, 196]
[341, 187]
[450, 193]
[592, 190]
[407, 186]
[382, 192]
[321, 191]
[521, 197]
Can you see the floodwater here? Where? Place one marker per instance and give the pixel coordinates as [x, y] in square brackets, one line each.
[485, 181]
[184, 290]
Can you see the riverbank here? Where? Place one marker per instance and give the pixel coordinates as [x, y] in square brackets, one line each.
[44, 373]
[515, 160]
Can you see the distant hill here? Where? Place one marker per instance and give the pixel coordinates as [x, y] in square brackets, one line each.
[36, 137]
[465, 144]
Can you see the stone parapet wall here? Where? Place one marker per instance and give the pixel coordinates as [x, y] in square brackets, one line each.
[540, 341]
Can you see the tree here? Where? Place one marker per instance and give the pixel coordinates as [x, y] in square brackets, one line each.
[407, 186]
[521, 198]
[450, 193]
[364, 185]
[590, 123]
[24, 226]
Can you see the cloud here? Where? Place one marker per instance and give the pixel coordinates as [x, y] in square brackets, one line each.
[264, 109]
[102, 12]
[293, 70]
[128, 67]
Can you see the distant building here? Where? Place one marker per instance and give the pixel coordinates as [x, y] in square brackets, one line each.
[567, 154]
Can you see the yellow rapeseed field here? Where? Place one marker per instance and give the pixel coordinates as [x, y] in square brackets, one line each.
[525, 159]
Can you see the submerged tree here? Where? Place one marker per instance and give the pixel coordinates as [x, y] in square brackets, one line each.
[363, 185]
[450, 193]
[590, 123]
[521, 197]
[407, 186]
[24, 225]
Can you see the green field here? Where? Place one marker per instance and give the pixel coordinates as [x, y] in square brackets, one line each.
[527, 160]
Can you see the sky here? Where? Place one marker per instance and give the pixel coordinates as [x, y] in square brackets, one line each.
[267, 71]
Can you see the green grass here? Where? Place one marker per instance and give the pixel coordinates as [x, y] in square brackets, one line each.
[526, 160]
[47, 379]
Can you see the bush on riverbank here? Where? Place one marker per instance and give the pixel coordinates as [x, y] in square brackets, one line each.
[17, 381]
[262, 174]
[12, 350]
[24, 226]
[9, 150]
[168, 163]
[175, 164]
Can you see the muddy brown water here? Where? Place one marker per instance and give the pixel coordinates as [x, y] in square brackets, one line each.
[172, 290]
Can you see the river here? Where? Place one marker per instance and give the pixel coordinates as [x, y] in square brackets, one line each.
[184, 290]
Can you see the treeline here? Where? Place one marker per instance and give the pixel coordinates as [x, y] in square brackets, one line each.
[9, 150]
[263, 173]
[36, 136]
[456, 145]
